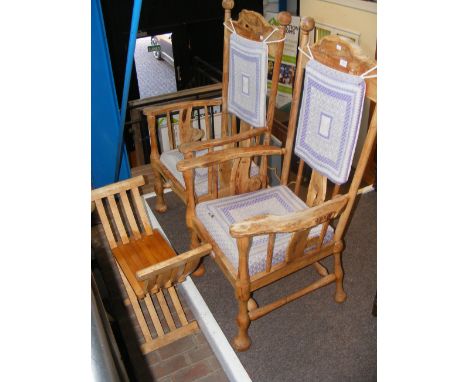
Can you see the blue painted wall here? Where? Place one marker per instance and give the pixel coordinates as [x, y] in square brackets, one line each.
[105, 118]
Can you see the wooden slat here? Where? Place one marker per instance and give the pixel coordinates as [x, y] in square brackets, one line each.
[105, 223]
[297, 244]
[300, 170]
[170, 130]
[165, 310]
[178, 306]
[317, 189]
[141, 211]
[271, 245]
[129, 214]
[118, 219]
[136, 307]
[115, 188]
[170, 337]
[208, 124]
[215, 182]
[244, 128]
[154, 315]
[233, 124]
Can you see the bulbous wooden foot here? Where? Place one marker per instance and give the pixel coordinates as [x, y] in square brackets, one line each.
[160, 205]
[200, 271]
[159, 190]
[340, 296]
[241, 343]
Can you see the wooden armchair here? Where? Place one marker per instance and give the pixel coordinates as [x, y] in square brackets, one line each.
[259, 237]
[146, 262]
[251, 26]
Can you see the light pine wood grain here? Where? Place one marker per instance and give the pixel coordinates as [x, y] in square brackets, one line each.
[146, 262]
[301, 251]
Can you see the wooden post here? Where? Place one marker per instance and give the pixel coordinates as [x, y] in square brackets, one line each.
[160, 205]
[135, 115]
[307, 24]
[227, 5]
[242, 341]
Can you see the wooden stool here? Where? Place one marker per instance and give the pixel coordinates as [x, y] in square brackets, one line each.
[146, 262]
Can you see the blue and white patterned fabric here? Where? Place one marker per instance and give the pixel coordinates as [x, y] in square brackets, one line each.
[171, 157]
[218, 215]
[329, 120]
[248, 68]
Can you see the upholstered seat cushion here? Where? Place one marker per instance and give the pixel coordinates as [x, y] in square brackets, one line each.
[171, 157]
[218, 215]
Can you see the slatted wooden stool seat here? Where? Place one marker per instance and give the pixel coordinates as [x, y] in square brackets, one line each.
[146, 262]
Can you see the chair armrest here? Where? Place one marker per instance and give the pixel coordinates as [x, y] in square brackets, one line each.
[225, 155]
[296, 221]
[203, 145]
[176, 106]
[174, 262]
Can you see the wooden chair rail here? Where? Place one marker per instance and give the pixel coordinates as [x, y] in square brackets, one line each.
[203, 145]
[216, 157]
[175, 107]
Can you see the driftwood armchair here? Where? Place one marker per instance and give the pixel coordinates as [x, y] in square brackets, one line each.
[233, 130]
[261, 234]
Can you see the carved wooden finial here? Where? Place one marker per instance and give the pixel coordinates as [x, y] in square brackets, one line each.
[228, 4]
[284, 18]
[307, 24]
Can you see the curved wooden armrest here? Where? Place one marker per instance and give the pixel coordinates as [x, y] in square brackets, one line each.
[225, 155]
[163, 109]
[203, 145]
[296, 221]
[164, 266]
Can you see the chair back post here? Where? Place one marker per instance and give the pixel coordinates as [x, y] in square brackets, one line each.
[307, 24]
[227, 5]
[359, 173]
[284, 19]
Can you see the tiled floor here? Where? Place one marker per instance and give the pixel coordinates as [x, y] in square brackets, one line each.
[188, 359]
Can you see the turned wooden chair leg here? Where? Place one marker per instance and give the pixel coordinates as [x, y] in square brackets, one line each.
[159, 190]
[195, 243]
[340, 295]
[242, 341]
